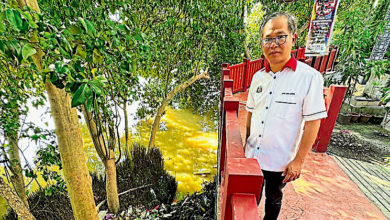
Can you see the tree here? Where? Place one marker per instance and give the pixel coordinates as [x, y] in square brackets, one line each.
[14, 201]
[66, 122]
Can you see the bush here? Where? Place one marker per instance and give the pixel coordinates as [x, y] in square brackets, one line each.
[55, 206]
[139, 167]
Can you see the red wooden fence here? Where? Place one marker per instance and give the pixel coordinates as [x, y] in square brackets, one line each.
[241, 178]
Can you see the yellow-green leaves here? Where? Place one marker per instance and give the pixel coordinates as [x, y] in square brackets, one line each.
[97, 57]
[28, 50]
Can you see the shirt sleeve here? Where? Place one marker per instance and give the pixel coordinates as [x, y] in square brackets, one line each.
[250, 103]
[314, 103]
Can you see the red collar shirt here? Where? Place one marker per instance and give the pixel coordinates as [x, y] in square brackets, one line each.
[280, 104]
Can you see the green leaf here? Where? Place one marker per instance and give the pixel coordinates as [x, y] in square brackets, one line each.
[90, 28]
[89, 104]
[82, 21]
[97, 57]
[80, 50]
[97, 87]
[73, 29]
[16, 48]
[14, 19]
[28, 50]
[81, 95]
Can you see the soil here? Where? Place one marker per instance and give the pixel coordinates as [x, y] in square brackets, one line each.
[363, 142]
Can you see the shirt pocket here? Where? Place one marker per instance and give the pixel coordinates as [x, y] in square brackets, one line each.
[286, 105]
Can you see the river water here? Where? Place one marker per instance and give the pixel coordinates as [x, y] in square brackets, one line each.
[188, 144]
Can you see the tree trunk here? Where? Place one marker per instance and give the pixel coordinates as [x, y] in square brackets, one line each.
[70, 143]
[14, 201]
[107, 156]
[111, 185]
[164, 104]
[72, 154]
[17, 175]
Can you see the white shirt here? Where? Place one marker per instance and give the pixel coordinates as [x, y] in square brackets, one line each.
[280, 103]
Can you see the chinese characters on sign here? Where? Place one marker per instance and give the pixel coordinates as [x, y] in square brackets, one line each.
[379, 50]
[321, 26]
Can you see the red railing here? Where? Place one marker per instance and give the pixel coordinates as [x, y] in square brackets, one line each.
[240, 179]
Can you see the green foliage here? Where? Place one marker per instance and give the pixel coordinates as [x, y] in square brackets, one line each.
[357, 28]
[253, 24]
[301, 10]
[48, 158]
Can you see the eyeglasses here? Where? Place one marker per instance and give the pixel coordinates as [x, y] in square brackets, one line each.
[279, 40]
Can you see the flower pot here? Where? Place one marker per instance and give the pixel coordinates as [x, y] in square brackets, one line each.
[344, 118]
[364, 118]
[354, 117]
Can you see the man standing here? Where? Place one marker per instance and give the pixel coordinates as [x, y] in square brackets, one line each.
[285, 105]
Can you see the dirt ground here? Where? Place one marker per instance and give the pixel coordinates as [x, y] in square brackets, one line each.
[364, 142]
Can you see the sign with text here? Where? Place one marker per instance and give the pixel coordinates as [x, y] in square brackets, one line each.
[321, 26]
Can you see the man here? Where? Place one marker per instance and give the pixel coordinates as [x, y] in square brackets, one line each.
[285, 105]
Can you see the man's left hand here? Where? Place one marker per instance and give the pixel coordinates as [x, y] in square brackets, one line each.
[292, 171]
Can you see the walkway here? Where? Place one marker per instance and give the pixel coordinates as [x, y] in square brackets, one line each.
[324, 191]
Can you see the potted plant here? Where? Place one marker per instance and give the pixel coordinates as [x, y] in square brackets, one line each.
[364, 118]
[344, 116]
[354, 117]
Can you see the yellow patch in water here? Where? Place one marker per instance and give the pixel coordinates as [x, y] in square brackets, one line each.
[185, 147]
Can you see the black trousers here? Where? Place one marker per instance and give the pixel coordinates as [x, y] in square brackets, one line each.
[273, 182]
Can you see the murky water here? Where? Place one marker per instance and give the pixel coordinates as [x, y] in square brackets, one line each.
[189, 147]
[188, 143]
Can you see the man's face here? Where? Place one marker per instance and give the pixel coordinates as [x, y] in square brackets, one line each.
[277, 54]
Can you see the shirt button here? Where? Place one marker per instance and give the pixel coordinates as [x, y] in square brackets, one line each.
[260, 135]
[274, 77]
[266, 107]
[270, 93]
[258, 148]
[262, 122]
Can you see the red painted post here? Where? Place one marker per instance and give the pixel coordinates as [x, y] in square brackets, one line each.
[335, 98]
[331, 59]
[245, 76]
[317, 63]
[323, 64]
[242, 175]
[244, 206]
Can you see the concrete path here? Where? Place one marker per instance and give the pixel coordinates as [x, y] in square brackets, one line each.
[324, 190]
[372, 179]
